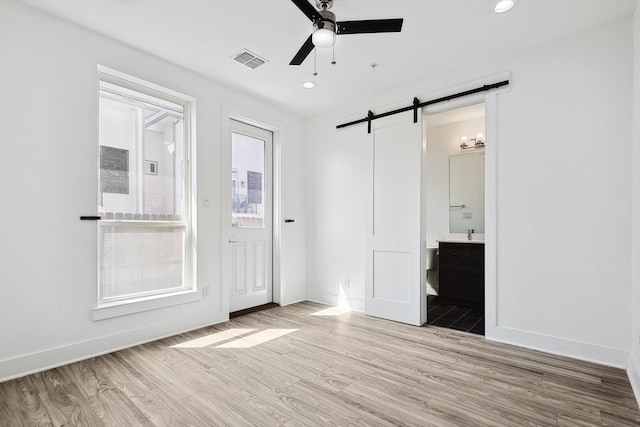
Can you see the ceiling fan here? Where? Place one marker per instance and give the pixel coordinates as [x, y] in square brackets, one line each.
[326, 28]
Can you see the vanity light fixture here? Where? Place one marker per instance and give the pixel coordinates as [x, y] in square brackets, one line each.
[463, 142]
[502, 6]
[477, 142]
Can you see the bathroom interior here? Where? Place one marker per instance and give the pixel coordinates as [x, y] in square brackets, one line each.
[455, 210]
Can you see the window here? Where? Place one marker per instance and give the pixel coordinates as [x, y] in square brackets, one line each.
[248, 159]
[144, 179]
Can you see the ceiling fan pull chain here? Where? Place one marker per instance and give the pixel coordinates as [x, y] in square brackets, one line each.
[315, 61]
[333, 49]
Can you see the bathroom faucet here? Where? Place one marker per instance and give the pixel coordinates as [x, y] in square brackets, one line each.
[469, 233]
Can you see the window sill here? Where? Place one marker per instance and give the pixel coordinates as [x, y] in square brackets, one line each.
[124, 308]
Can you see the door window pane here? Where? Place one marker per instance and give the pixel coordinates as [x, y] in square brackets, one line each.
[247, 181]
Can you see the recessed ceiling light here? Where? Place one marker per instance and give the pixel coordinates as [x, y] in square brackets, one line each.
[503, 6]
[308, 85]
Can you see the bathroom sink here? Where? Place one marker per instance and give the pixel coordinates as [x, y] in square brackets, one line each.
[461, 241]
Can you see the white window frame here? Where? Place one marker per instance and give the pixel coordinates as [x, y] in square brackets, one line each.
[122, 305]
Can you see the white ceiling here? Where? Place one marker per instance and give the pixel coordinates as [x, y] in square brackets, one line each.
[437, 36]
[458, 115]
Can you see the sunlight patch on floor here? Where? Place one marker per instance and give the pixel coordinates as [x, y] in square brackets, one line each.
[332, 311]
[213, 338]
[342, 307]
[257, 338]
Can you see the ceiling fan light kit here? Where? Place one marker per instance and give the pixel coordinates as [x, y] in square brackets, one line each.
[325, 27]
[323, 38]
[324, 31]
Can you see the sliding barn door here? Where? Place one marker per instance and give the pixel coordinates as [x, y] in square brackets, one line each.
[395, 269]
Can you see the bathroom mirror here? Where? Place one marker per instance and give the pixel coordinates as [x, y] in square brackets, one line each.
[466, 192]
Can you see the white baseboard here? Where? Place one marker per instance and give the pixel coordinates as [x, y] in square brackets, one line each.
[608, 356]
[323, 299]
[615, 357]
[294, 298]
[47, 359]
[633, 371]
[355, 304]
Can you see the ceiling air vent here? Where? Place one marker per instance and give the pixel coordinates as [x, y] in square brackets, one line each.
[249, 59]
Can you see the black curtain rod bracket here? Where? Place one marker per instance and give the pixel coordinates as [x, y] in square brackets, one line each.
[417, 104]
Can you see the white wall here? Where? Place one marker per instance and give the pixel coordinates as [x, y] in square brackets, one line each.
[634, 356]
[563, 193]
[48, 149]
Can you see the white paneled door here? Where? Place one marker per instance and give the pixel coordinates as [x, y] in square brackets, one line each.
[395, 274]
[250, 227]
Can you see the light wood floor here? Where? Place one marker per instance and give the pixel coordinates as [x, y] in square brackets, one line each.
[287, 367]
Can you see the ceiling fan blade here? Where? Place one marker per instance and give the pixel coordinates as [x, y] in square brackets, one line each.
[307, 9]
[304, 51]
[370, 26]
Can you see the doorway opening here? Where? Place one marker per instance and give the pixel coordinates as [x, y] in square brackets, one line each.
[454, 188]
[251, 220]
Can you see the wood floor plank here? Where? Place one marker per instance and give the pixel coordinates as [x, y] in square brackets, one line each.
[261, 386]
[567, 421]
[66, 407]
[214, 411]
[622, 419]
[222, 387]
[264, 366]
[324, 407]
[345, 369]
[20, 404]
[88, 376]
[165, 411]
[114, 409]
[124, 376]
[388, 406]
[49, 380]
[155, 374]
[511, 400]
[461, 412]
[235, 406]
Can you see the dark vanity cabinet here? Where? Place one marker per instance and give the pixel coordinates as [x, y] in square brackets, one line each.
[461, 268]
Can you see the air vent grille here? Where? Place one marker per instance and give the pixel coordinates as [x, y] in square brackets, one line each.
[254, 63]
[249, 59]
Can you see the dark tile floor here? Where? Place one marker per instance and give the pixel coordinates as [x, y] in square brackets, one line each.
[467, 319]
